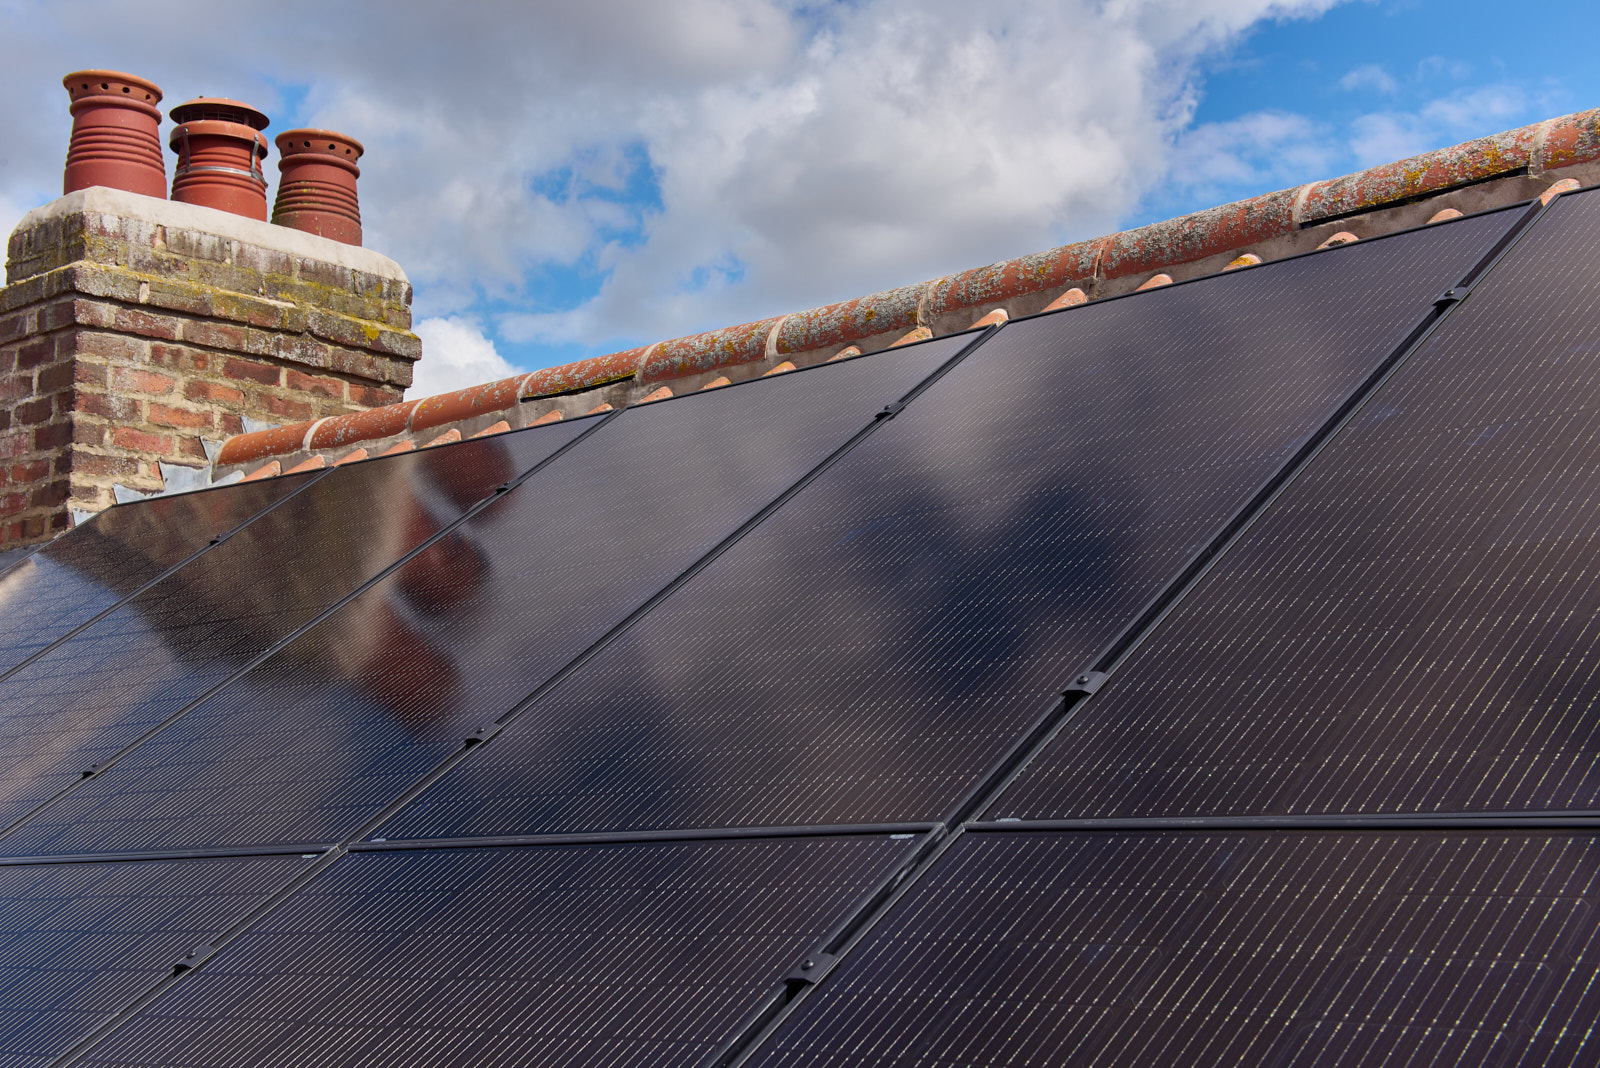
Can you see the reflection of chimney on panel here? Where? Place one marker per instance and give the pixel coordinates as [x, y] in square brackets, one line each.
[220, 149]
[317, 186]
[116, 133]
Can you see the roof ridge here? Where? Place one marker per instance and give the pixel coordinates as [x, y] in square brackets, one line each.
[945, 304]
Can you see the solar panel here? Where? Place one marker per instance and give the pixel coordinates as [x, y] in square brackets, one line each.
[67, 582]
[79, 942]
[600, 955]
[324, 734]
[82, 700]
[1411, 626]
[869, 652]
[1254, 948]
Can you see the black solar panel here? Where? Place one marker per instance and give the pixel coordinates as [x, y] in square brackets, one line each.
[324, 734]
[869, 652]
[79, 942]
[97, 691]
[70, 580]
[1208, 949]
[599, 955]
[1412, 626]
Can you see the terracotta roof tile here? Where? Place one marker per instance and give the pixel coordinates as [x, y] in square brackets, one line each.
[1155, 282]
[1444, 216]
[598, 408]
[271, 470]
[1566, 185]
[654, 395]
[466, 403]
[496, 428]
[1249, 259]
[786, 365]
[311, 464]
[1343, 237]
[718, 382]
[1070, 299]
[921, 333]
[398, 447]
[350, 458]
[449, 437]
[994, 318]
[552, 416]
[845, 353]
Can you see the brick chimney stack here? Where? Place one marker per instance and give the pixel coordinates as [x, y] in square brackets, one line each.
[135, 332]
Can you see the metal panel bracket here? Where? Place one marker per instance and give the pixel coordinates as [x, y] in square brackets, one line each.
[890, 410]
[1086, 683]
[812, 969]
[193, 959]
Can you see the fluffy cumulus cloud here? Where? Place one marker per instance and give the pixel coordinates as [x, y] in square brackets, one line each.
[571, 178]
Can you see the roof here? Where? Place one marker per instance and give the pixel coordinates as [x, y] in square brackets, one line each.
[1486, 172]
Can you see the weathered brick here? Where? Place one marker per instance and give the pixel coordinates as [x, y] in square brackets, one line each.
[133, 321]
[191, 446]
[317, 384]
[87, 432]
[55, 377]
[213, 335]
[164, 415]
[37, 410]
[90, 375]
[113, 347]
[287, 409]
[36, 353]
[211, 392]
[15, 444]
[95, 464]
[32, 471]
[108, 406]
[373, 396]
[57, 316]
[181, 358]
[230, 424]
[136, 440]
[53, 436]
[15, 388]
[49, 495]
[12, 503]
[249, 371]
[138, 380]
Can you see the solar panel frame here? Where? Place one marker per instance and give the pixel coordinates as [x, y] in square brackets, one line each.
[1041, 725]
[1014, 799]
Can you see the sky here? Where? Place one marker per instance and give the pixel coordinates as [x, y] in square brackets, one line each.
[565, 180]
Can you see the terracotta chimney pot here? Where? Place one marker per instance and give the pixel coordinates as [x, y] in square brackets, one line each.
[317, 186]
[220, 149]
[116, 134]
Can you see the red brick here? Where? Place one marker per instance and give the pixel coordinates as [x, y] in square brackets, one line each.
[136, 380]
[52, 437]
[118, 347]
[39, 352]
[286, 408]
[134, 440]
[197, 390]
[49, 496]
[12, 327]
[318, 384]
[18, 443]
[246, 371]
[230, 424]
[214, 335]
[32, 471]
[108, 406]
[89, 463]
[12, 503]
[55, 378]
[373, 396]
[59, 316]
[34, 411]
[85, 432]
[179, 358]
[163, 415]
[131, 321]
[94, 375]
[190, 446]
[15, 388]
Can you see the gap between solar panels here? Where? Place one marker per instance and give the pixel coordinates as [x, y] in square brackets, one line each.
[444, 532]
[102, 518]
[741, 1048]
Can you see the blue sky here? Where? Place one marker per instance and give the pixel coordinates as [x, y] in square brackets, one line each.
[562, 180]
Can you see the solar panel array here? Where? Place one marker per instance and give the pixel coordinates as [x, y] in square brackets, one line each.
[1200, 676]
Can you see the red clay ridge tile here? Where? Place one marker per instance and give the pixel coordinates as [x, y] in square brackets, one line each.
[494, 428]
[312, 464]
[359, 454]
[1155, 282]
[1009, 279]
[1446, 168]
[597, 409]
[383, 422]
[1571, 139]
[449, 437]
[466, 403]
[852, 320]
[654, 395]
[1444, 216]
[746, 343]
[717, 383]
[845, 353]
[1070, 299]
[552, 416]
[994, 318]
[272, 470]
[398, 447]
[585, 374]
[921, 333]
[786, 365]
[1566, 185]
[243, 448]
[1249, 259]
[1204, 233]
[1343, 237]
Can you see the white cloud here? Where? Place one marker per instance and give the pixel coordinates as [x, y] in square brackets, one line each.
[456, 354]
[1390, 135]
[1370, 76]
[795, 153]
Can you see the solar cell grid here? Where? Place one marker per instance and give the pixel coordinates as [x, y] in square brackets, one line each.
[868, 652]
[601, 955]
[1411, 627]
[1286, 949]
[97, 691]
[66, 583]
[80, 942]
[321, 736]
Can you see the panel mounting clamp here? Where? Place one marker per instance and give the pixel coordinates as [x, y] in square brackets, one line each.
[890, 410]
[1086, 683]
[193, 959]
[812, 968]
[481, 735]
[1453, 295]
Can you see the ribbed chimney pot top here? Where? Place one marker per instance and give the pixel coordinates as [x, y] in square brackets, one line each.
[220, 109]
